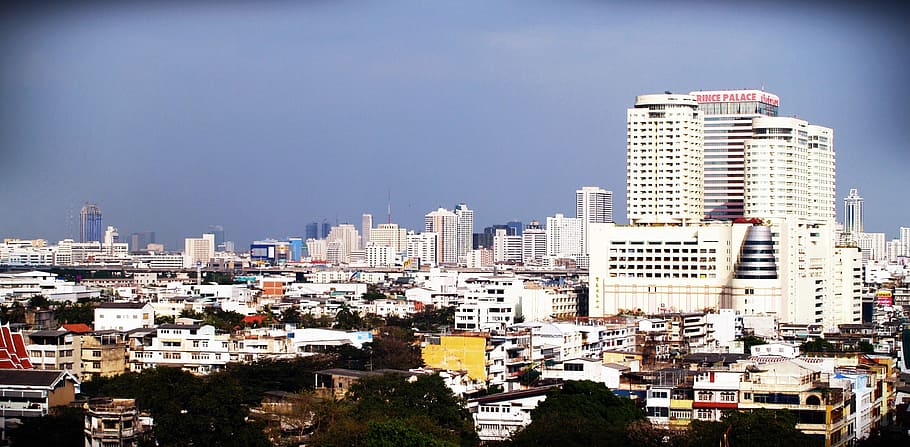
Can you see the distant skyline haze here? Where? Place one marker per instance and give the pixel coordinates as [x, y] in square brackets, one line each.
[262, 117]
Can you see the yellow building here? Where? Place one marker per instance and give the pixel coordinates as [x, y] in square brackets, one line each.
[460, 352]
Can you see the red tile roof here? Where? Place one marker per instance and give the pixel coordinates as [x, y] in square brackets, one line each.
[13, 354]
[78, 328]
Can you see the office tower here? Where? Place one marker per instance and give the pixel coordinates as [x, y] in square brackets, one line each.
[728, 118]
[297, 248]
[665, 177]
[422, 249]
[464, 231]
[198, 251]
[218, 231]
[348, 236]
[90, 219]
[111, 237]
[853, 213]
[592, 205]
[311, 231]
[516, 227]
[506, 248]
[366, 224]
[389, 235]
[533, 243]
[444, 223]
[140, 241]
[789, 171]
[904, 241]
[563, 237]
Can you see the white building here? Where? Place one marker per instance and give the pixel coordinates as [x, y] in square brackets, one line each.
[506, 249]
[380, 256]
[853, 213]
[124, 316]
[366, 227]
[422, 249]
[665, 177]
[479, 259]
[198, 250]
[564, 237]
[464, 231]
[390, 235]
[317, 249]
[873, 246]
[191, 347]
[533, 244]
[592, 205]
[347, 241]
[444, 223]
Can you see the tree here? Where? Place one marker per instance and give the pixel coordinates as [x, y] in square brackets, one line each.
[817, 345]
[423, 411]
[38, 301]
[749, 341]
[581, 413]
[347, 319]
[61, 427]
[756, 428]
[69, 312]
[290, 316]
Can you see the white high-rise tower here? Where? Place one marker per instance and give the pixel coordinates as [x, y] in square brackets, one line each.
[444, 223]
[853, 213]
[664, 170]
[464, 231]
[592, 205]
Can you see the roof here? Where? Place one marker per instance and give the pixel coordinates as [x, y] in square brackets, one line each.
[357, 373]
[78, 328]
[121, 305]
[511, 395]
[180, 326]
[30, 377]
[47, 333]
[13, 353]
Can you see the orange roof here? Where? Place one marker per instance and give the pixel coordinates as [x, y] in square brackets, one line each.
[253, 319]
[78, 328]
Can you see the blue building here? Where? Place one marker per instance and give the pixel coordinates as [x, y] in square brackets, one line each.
[92, 228]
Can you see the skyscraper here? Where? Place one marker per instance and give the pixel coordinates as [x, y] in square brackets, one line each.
[665, 177]
[592, 205]
[853, 213]
[90, 220]
[444, 223]
[218, 231]
[728, 118]
[789, 170]
[464, 231]
[366, 224]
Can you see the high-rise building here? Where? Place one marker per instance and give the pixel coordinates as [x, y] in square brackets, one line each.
[444, 223]
[853, 213]
[592, 205]
[904, 241]
[140, 241]
[563, 237]
[218, 231]
[316, 230]
[665, 177]
[506, 249]
[464, 231]
[90, 219]
[533, 244]
[389, 235]
[728, 118]
[366, 224]
[516, 226]
[789, 171]
[198, 251]
[111, 237]
[422, 249]
[350, 241]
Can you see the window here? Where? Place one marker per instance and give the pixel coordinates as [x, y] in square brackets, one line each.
[574, 367]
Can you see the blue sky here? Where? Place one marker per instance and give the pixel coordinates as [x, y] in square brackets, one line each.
[263, 117]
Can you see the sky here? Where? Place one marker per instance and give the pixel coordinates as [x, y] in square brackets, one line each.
[263, 116]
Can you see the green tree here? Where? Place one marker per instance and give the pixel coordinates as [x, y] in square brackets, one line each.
[756, 428]
[69, 312]
[347, 319]
[397, 433]
[817, 345]
[580, 413]
[38, 301]
[424, 410]
[291, 315]
[749, 341]
[62, 427]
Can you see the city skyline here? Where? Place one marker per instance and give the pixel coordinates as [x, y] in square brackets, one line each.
[278, 115]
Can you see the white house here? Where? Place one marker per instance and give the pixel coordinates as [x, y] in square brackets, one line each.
[124, 316]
